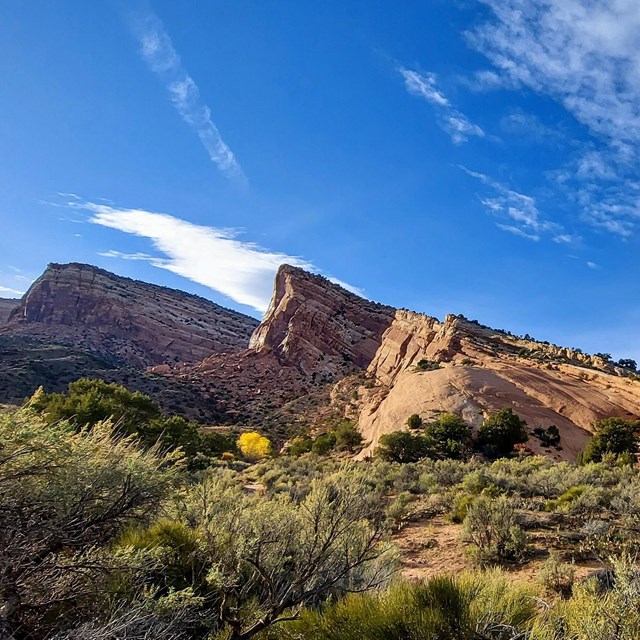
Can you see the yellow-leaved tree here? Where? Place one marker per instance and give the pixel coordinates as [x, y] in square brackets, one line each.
[254, 446]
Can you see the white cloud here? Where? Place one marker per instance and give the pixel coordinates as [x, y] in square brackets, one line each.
[456, 124]
[11, 291]
[519, 211]
[518, 232]
[582, 52]
[423, 86]
[157, 50]
[592, 265]
[212, 257]
[584, 55]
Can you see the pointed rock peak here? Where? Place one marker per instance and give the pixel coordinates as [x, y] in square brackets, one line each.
[319, 326]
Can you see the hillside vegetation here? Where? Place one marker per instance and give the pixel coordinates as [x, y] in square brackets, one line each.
[111, 528]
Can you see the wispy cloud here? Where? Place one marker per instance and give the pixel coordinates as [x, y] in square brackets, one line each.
[212, 257]
[158, 52]
[10, 291]
[584, 55]
[518, 212]
[455, 123]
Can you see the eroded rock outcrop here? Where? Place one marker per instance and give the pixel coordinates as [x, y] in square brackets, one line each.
[474, 371]
[318, 326]
[133, 322]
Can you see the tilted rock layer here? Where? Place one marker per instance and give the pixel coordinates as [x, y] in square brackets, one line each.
[481, 371]
[320, 352]
[318, 326]
[133, 322]
[313, 334]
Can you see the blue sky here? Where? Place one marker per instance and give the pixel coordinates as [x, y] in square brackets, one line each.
[444, 156]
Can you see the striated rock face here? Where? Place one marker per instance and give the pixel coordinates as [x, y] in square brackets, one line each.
[483, 370]
[7, 305]
[318, 326]
[132, 322]
[313, 334]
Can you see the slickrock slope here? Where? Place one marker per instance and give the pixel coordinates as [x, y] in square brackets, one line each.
[128, 321]
[7, 305]
[483, 370]
[318, 326]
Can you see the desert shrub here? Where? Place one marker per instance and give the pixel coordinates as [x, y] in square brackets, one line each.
[460, 507]
[414, 421]
[557, 577]
[427, 365]
[491, 528]
[612, 436]
[64, 494]
[500, 432]
[594, 614]
[549, 437]
[563, 502]
[299, 446]
[253, 446]
[465, 607]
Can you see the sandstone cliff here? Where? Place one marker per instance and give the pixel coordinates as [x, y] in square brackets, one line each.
[479, 370]
[318, 326]
[129, 321]
[313, 334]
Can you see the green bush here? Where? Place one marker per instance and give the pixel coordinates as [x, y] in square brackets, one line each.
[401, 446]
[449, 436]
[612, 436]
[557, 577]
[500, 432]
[323, 444]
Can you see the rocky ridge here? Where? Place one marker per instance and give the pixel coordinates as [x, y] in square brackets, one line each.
[128, 321]
[425, 366]
[320, 352]
[313, 334]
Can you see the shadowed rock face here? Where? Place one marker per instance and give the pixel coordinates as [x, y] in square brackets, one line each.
[7, 305]
[318, 326]
[132, 322]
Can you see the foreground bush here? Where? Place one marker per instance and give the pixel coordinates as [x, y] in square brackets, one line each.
[63, 494]
[469, 607]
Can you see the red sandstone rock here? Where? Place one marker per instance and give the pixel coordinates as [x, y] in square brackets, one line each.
[134, 322]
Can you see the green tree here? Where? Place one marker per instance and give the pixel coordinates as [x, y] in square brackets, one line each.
[348, 438]
[612, 435]
[89, 401]
[401, 446]
[414, 421]
[449, 436]
[500, 432]
[324, 443]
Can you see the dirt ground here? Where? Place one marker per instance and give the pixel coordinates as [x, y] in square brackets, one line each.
[429, 547]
